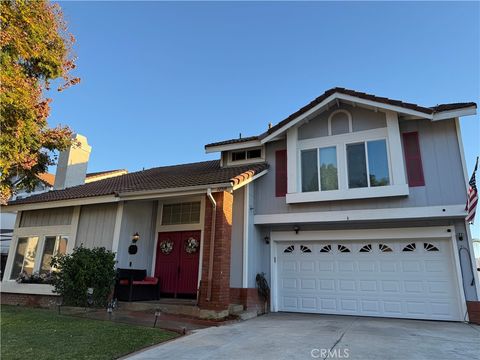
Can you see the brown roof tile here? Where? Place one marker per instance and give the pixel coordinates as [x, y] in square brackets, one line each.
[361, 95]
[160, 178]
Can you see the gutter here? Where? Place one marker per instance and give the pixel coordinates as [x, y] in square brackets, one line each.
[212, 243]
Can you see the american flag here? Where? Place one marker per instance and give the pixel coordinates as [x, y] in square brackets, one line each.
[472, 197]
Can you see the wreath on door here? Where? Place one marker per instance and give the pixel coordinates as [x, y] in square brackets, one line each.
[166, 246]
[191, 245]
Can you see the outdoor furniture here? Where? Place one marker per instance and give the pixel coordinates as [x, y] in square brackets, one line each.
[135, 285]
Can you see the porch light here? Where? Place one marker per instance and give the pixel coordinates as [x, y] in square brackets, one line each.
[135, 237]
[296, 228]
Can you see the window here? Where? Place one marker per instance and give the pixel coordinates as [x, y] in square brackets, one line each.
[384, 248]
[429, 247]
[54, 245]
[366, 248]
[343, 248]
[305, 249]
[410, 247]
[24, 256]
[183, 213]
[289, 249]
[29, 260]
[309, 170]
[246, 154]
[326, 249]
[376, 173]
[328, 168]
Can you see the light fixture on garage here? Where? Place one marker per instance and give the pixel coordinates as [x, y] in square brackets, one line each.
[460, 236]
[267, 239]
[296, 228]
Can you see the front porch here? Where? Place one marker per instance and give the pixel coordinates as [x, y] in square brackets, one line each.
[185, 242]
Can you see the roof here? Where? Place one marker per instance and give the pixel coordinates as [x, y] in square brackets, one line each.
[361, 95]
[49, 179]
[161, 178]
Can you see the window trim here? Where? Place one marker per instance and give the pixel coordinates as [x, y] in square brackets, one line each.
[397, 177]
[230, 161]
[350, 124]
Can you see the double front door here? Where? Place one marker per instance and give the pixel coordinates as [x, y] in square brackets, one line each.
[177, 263]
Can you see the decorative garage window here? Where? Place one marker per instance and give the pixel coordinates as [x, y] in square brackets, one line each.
[289, 249]
[343, 249]
[410, 247]
[183, 213]
[384, 248]
[366, 248]
[429, 247]
[305, 249]
[326, 249]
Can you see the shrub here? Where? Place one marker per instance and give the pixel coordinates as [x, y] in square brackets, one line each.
[83, 269]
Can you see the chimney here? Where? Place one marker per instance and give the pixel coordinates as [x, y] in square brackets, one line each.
[72, 164]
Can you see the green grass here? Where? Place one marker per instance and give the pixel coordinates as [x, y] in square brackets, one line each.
[38, 334]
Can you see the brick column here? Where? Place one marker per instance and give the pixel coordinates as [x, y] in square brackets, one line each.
[220, 295]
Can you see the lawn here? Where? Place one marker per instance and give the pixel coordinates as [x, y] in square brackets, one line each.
[43, 334]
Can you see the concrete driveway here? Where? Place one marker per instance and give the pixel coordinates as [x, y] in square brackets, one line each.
[304, 336]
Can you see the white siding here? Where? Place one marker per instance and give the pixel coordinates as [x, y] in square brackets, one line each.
[47, 217]
[138, 216]
[96, 226]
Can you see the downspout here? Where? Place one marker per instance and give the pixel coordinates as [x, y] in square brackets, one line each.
[212, 243]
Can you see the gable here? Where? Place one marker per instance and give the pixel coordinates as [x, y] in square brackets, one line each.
[361, 119]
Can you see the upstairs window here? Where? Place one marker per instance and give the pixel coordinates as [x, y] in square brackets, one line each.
[367, 164]
[250, 154]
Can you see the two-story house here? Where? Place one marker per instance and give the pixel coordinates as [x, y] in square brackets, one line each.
[352, 205]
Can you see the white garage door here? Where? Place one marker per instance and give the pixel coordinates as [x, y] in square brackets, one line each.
[406, 279]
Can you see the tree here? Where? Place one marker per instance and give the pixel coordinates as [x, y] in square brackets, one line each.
[36, 49]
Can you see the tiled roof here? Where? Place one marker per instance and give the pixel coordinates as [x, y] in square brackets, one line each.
[49, 178]
[361, 95]
[160, 178]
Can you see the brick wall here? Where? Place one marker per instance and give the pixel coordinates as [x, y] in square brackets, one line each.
[249, 298]
[220, 296]
[29, 300]
[473, 308]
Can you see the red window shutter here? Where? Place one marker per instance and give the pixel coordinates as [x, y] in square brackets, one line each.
[280, 173]
[413, 159]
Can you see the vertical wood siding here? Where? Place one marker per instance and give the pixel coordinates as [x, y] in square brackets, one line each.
[47, 217]
[96, 226]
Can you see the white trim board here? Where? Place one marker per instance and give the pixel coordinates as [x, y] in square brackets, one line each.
[434, 232]
[448, 211]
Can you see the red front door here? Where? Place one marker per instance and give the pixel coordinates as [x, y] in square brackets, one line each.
[177, 263]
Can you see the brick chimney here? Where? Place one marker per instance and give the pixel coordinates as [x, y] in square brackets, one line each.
[72, 164]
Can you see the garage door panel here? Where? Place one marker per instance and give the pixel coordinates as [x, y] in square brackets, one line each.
[374, 278]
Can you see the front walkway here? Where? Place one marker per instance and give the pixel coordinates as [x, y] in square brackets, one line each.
[303, 336]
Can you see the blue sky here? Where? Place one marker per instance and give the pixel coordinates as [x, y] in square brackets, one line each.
[160, 80]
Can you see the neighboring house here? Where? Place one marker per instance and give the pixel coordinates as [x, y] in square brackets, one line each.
[46, 182]
[352, 205]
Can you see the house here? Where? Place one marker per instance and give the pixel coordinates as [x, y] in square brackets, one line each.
[48, 182]
[352, 205]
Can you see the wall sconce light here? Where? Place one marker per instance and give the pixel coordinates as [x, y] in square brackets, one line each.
[296, 228]
[135, 237]
[267, 239]
[460, 236]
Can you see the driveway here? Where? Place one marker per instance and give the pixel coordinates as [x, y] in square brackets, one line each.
[305, 336]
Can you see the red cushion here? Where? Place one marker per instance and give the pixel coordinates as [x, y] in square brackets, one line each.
[147, 281]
